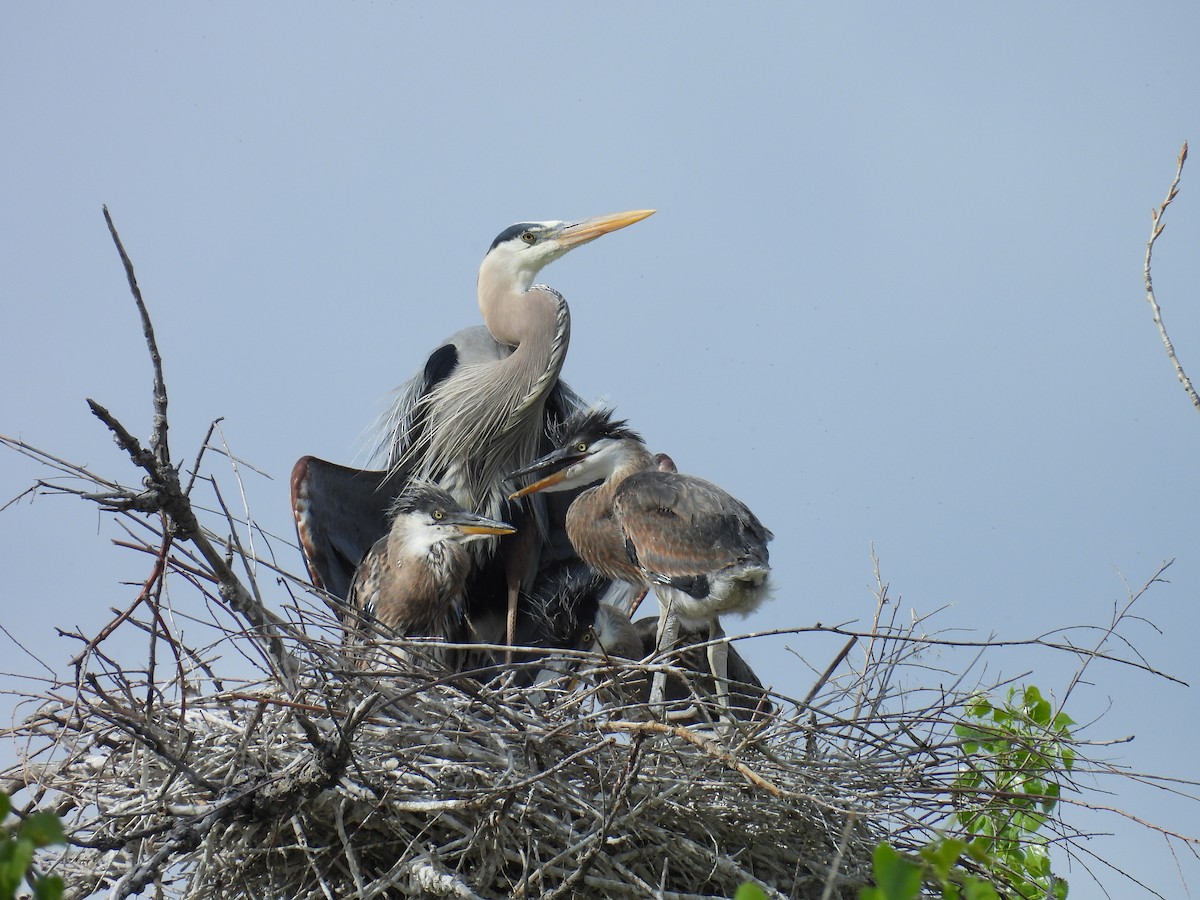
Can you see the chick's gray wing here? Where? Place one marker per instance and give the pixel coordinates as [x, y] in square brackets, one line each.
[680, 525]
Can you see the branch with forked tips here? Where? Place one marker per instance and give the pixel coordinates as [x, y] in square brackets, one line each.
[164, 494]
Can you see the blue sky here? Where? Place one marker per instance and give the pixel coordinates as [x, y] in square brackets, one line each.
[892, 296]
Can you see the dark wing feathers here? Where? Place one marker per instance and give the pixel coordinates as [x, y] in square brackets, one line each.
[681, 526]
[440, 364]
[340, 513]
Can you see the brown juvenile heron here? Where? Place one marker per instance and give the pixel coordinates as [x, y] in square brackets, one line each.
[411, 582]
[701, 549]
[480, 407]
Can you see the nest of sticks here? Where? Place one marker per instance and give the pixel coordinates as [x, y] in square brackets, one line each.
[399, 783]
[271, 765]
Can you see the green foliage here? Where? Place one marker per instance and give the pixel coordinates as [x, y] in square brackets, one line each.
[749, 891]
[17, 844]
[899, 877]
[896, 878]
[1013, 756]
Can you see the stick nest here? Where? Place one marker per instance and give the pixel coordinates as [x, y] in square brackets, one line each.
[400, 783]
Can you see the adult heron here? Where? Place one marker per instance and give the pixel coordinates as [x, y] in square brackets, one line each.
[702, 550]
[410, 583]
[479, 408]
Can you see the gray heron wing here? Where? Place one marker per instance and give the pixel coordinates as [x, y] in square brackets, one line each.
[395, 429]
[681, 526]
[469, 346]
[341, 511]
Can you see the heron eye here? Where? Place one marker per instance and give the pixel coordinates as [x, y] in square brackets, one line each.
[528, 237]
[438, 515]
[581, 447]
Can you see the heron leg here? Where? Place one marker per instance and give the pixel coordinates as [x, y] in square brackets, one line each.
[520, 566]
[718, 663]
[510, 629]
[637, 601]
[668, 631]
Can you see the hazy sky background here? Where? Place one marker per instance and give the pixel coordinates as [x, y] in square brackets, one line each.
[892, 295]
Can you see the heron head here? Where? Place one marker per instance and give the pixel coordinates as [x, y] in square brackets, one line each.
[520, 251]
[424, 515]
[592, 446]
[613, 634]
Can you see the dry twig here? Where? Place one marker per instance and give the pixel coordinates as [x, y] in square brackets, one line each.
[1156, 228]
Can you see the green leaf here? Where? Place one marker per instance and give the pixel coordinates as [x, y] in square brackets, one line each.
[1028, 822]
[1037, 861]
[895, 877]
[979, 707]
[1068, 758]
[980, 850]
[942, 855]
[749, 891]
[1042, 713]
[5, 806]
[42, 829]
[50, 887]
[15, 857]
[975, 889]
[969, 732]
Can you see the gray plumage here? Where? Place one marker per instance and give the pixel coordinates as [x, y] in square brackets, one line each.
[474, 419]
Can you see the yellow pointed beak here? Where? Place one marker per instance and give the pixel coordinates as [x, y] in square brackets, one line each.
[590, 229]
[485, 529]
[473, 524]
[539, 485]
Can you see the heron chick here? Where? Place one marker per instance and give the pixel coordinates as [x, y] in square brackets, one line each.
[702, 550]
[410, 583]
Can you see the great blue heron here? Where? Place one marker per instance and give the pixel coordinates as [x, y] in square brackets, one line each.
[613, 634]
[411, 582]
[479, 408]
[701, 549]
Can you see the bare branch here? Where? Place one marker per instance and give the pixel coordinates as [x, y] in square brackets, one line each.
[158, 439]
[1156, 228]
